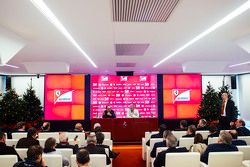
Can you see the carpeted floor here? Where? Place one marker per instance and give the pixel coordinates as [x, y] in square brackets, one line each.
[130, 156]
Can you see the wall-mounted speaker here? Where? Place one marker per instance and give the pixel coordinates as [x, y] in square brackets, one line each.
[124, 73]
[8, 82]
[233, 82]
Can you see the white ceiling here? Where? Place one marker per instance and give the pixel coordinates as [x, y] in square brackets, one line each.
[90, 23]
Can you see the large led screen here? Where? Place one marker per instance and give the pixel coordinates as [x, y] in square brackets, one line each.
[121, 91]
[64, 97]
[181, 95]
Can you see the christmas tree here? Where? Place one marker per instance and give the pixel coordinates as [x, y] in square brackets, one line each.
[32, 105]
[12, 108]
[210, 104]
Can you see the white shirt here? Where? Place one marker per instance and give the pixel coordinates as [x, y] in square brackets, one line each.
[133, 114]
[224, 112]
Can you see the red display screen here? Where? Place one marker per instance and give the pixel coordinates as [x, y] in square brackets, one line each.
[64, 97]
[181, 95]
[121, 91]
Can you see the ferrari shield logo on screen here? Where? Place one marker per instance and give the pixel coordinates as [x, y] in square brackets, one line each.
[104, 78]
[181, 95]
[124, 78]
[62, 96]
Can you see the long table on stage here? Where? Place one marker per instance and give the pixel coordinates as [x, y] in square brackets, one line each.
[127, 129]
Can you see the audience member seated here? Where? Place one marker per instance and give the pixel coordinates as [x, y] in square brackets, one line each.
[46, 127]
[241, 129]
[166, 133]
[7, 150]
[183, 126]
[162, 128]
[202, 125]
[78, 127]
[93, 149]
[108, 113]
[50, 148]
[198, 145]
[235, 140]
[34, 158]
[97, 128]
[82, 158]
[63, 143]
[213, 131]
[224, 145]
[190, 131]
[171, 143]
[100, 139]
[30, 140]
[20, 127]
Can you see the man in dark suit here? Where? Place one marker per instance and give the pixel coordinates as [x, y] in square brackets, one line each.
[228, 112]
[162, 128]
[30, 140]
[7, 150]
[235, 140]
[224, 145]
[63, 143]
[241, 129]
[191, 131]
[93, 149]
[100, 139]
[108, 113]
[171, 143]
[160, 144]
[202, 125]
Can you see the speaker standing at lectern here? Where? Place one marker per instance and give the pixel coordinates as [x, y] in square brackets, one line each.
[108, 113]
[132, 112]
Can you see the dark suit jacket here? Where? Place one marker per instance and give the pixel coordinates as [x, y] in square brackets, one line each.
[7, 150]
[107, 116]
[202, 128]
[243, 131]
[216, 134]
[217, 147]
[67, 145]
[156, 145]
[27, 142]
[191, 135]
[231, 111]
[239, 142]
[158, 135]
[93, 149]
[111, 153]
[160, 159]
[181, 129]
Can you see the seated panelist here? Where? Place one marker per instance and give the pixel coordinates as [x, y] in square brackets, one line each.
[132, 112]
[108, 113]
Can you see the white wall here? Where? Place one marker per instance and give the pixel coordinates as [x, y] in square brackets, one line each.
[21, 83]
[244, 96]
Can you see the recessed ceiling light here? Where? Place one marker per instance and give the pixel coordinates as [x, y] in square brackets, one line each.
[239, 64]
[44, 9]
[223, 21]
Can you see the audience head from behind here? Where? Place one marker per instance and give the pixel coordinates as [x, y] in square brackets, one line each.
[202, 123]
[166, 133]
[50, 145]
[46, 127]
[225, 138]
[91, 138]
[78, 127]
[20, 126]
[34, 154]
[234, 134]
[32, 133]
[171, 141]
[183, 124]
[63, 138]
[2, 137]
[198, 138]
[82, 158]
[162, 128]
[97, 128]
[191, 129]
[99, 137]
[212, 129]
[240, 123]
